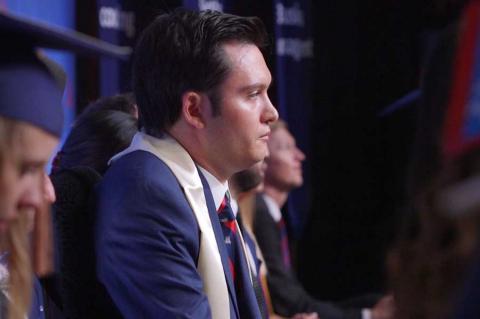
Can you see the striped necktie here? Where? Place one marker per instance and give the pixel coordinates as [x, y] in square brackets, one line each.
[284, 243]
[236, 256]
[230, 234]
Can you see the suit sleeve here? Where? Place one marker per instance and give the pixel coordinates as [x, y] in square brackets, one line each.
[147, 244]
[287, 294]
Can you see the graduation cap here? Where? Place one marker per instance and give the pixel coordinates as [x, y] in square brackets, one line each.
[41, 34]
[29, 90]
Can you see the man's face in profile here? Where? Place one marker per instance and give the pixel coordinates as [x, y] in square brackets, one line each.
[284, 165]
[240, 133]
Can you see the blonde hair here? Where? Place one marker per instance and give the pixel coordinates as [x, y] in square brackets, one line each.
[16, 240]
[19, 266]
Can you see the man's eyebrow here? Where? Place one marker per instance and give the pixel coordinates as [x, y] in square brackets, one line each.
[255, 86]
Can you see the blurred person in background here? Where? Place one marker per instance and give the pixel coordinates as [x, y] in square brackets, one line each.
[103, 129]
[245, 185]
[283, 174]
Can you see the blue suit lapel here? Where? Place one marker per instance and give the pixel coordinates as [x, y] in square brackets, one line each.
[220, 241]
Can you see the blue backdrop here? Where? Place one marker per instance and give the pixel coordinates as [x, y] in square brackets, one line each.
[294, 62]
[61, 13]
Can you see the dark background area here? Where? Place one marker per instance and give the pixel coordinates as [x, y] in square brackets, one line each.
[367, 55]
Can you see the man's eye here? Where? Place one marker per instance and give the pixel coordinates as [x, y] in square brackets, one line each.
[254, 94]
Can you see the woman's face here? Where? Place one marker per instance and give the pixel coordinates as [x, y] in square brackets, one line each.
[24, 185]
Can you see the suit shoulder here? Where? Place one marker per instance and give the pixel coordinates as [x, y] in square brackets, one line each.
[141, 183]
[262, 213]
[141, 171]
[138, 163]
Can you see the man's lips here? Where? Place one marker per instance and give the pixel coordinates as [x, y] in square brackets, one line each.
[265, 136]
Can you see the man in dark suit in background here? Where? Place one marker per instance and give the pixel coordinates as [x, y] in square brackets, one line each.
[283, 174]
[201, 84]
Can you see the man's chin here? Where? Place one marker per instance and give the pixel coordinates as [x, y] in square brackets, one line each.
[260, 151]
[261, 157]
[253, 160]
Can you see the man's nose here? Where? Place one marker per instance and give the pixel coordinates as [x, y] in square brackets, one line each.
[270, 113]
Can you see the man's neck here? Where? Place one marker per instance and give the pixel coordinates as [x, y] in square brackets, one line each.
[217, 188]
[222, 178]
[191, 145]
[280, 197]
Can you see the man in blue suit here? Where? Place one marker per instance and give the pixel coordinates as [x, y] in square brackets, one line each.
[201, 84]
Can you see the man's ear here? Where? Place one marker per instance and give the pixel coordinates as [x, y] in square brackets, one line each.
[194, 108]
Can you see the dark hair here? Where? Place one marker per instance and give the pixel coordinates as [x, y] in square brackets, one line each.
[120, 102]
[182, 51]
[247, 179]
[104, 128]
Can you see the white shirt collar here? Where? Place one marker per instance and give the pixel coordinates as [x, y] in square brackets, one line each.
[217, 188]
[234, 206]
[273, 208]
